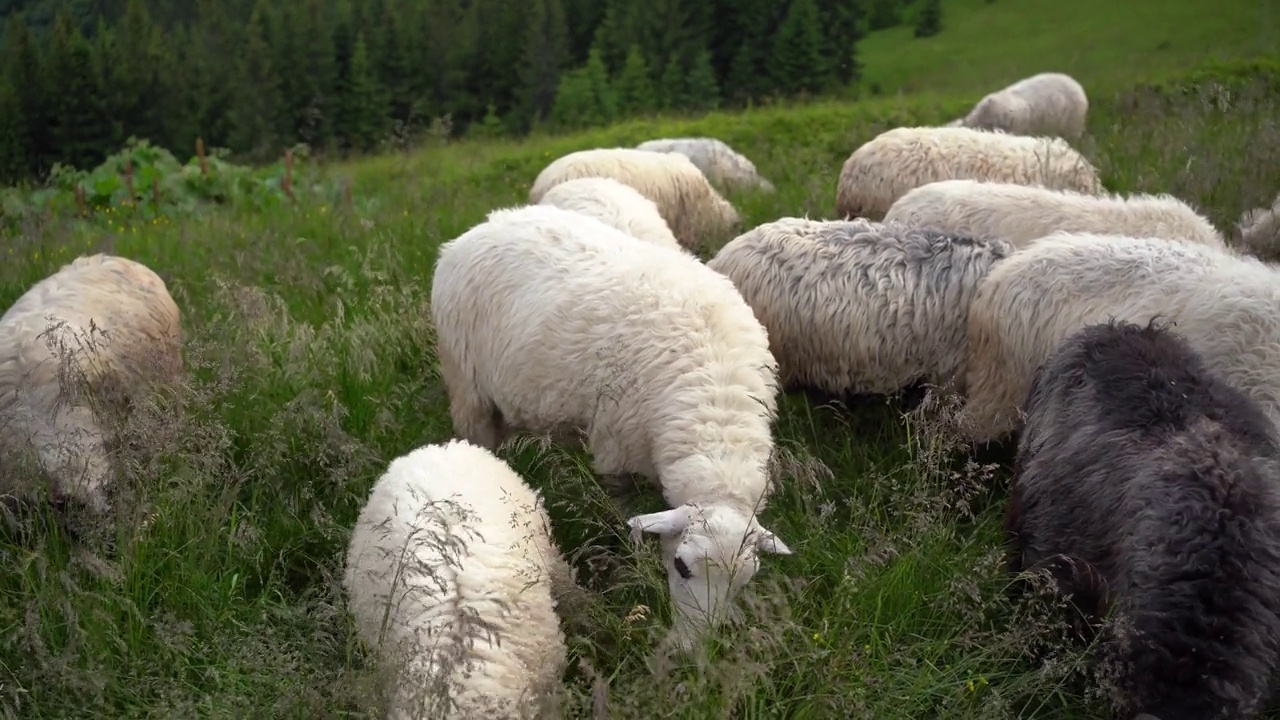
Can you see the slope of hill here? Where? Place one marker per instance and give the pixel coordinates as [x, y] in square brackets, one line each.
[985, 44]
[312, 365]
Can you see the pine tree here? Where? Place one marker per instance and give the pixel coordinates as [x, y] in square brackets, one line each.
[929, 21]
[364, 103]
[210, 81]
[257, 102]
[797, 65]
[634, 86]
[395, 64]
[842, 30]
[671, 86]
[544, 56]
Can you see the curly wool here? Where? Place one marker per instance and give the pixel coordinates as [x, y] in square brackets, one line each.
[1047, 104]
[615, 204]
[102, 324]
[1258, 232]
[694, 211]
[1227, 306]
[722, 165]
[856, 306]
[1021, 214]
[449, 574]
[896, 161]
[1150, 486]
[549, 321]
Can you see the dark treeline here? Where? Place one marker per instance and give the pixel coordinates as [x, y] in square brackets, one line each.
[79, 77]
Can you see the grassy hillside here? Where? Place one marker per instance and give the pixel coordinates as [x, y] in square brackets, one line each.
[985, 44]
[312, 363]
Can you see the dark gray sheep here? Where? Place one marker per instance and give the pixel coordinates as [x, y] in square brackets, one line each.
[1148, 485]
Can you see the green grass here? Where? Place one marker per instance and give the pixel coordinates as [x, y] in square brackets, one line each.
[1105, 45]
[310, 351]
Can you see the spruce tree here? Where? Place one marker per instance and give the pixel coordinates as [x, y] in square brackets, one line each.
[702, 92]
[24, 73]
[544, 57]
[798, 65]
[364, 104]
[634, 86]
[142, 98]
[77, 126]
[929, 21]
[13, 136]
[257, 103]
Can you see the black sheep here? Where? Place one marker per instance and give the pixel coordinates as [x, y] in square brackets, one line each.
[1149, 487]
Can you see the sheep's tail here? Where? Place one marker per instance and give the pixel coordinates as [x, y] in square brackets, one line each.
[1200, 630]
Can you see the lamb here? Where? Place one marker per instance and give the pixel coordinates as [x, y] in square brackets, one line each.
[1258, 232]
[859, 307]
[1150, 487]
[616, 204]
[654, 357]
[881, 171]
[692, 208]
[449, 573]
[90, 338]
[722, 165]
[1021, 214]
[1227, 307]
[1049, 103]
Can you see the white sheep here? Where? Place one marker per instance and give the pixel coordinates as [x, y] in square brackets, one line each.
[655, 357]
[722, 165]
[449, 575]
[884, 168]
[1022, 214]
[1227, 307]
[856, 306]
[99, 331]
[1049, 103]
[617, 205]
[691, 206]
[1258, 232]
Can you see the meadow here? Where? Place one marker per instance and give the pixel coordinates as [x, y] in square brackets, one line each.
[215, 593]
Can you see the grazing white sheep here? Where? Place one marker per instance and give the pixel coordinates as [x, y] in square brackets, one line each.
[102, 324]
[856, 306]
[653, 355]
[691, 206]
[721, 164]
[1022, 214]
[1258, 232]
[1049, 103]
[449, 574]
[886, 167]
[615, 204]
[1226, 306]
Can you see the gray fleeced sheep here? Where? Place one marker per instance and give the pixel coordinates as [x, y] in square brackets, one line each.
[1052, 104]
[1022, 214]
[722, 165]
[859, 307]
[896, 161]
[1258, 232]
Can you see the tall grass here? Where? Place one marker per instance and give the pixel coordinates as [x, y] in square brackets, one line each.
[215, 592]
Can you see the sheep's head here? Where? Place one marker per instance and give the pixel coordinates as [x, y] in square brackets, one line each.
[711, 553]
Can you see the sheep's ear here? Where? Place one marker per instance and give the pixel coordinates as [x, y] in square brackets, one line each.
[767, 542]
[666, 522]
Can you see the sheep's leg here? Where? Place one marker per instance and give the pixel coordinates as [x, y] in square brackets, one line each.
[476, 418]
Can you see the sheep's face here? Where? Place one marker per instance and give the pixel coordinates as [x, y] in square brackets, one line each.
[995, 113]
[710, 552]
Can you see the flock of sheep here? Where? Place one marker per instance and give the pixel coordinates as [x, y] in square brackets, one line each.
[982, 257]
